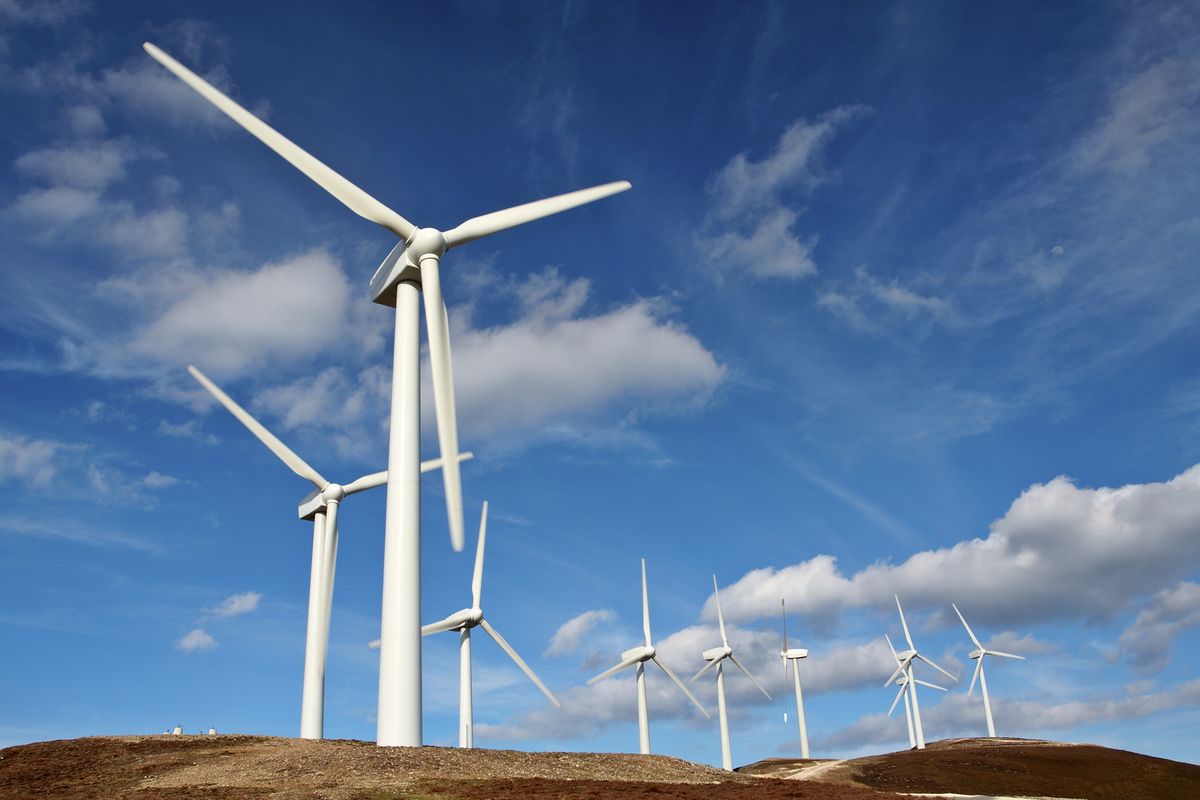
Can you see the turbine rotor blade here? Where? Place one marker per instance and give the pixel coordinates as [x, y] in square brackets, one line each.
[645, 605]
[935, 666]
[891, 647]
[506, 647]
[970, 632]
[477, 578]
[380, 478]
[930, 685]
[720, 616]
[443, 394]
[487, 224]
[663, 666]
[783, 612]
[899, 670]
[285, 454]
[904, 624]
[350, 195]
[705, 669]
[753, 680]
[448, 624]
[899, 694]
[626, 664]
[975, 677]
[1002, 655]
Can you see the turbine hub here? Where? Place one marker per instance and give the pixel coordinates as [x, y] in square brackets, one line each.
[975, 654]
[333, 493]
[426, 242]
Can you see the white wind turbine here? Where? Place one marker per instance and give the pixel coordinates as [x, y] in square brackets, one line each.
[320, 506]
[463, 621]
[906, 659]
[792, 656]
[639, 655]
[410, 272]
[904, 682]
[715, 656]
[978, 656]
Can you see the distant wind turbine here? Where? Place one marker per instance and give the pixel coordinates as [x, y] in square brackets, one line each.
[715, 656]
[320, 506]
[904, 683]
[906, 659]
[792, 656]
[463, 621]
[978, 655]
[639, 655]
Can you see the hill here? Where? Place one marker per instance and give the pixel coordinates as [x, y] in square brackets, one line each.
[1012, 767]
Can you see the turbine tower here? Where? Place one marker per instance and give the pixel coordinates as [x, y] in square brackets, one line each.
[904, 682]
[715, 656]
[320, 506]
[639, 655]
[906, 659]
[463, 621]
[792, 656]
[978, 655]
[408, 274]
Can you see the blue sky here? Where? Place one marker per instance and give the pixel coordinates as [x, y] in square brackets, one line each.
[904, 300]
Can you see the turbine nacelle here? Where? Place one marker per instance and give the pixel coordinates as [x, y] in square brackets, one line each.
[795, 652]
[714, 653]
[976, 654]
[642, 653]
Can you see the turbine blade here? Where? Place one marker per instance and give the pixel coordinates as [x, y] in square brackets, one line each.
[443, 395]
[448, 624]
[975, 677]
[626, 664]
[930, 685]
[753, 680]
[645, 605]
[891, 647]
[783, 611]
[720, 616]
[487, 224]
[297, 464]
[663, 666]
[704, 669]
[904, 624]
[899, 671]
[477, 578]
[970, 632]
[350, 195]
[380, 478]
[506, 647]
[899, 694]
[935, 666]
[1003, 655]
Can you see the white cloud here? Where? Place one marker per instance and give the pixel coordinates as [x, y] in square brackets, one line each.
[190, 429]
[749, 227]
[569, 635]
[868, 302]
[196, 641]
[41, 12]
[1040, 560]
[1146, 644]
[235, 605]
[31, 460]
[85, 165]
[114, 485]
[57, 205]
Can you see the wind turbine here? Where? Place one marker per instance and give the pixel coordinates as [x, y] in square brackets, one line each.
[409, 272]
[792, 656]
[320, 506]
[906, 659]
[978, 656]
[715, 656]
[904, 682]
[639, 655]
[463, 621]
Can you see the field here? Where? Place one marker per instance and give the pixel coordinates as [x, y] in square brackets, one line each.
[230, 766]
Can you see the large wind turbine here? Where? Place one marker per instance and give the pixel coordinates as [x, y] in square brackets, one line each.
[639, 655]
[320, 506]
[715, 656]
[792, 656]
[978, 656]
[463, 621]
[410, 271]
[906, 659]
[904, 682]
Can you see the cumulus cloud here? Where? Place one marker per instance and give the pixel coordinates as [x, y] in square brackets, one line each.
[86, 165]
[32, 460]
[1039, 561]
[235, 605]
[750, 223]
[570, 634]
[195, 641]
[1146, 644]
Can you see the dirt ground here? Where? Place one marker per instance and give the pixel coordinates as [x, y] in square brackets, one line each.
[225, 767]
[1016, 767]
